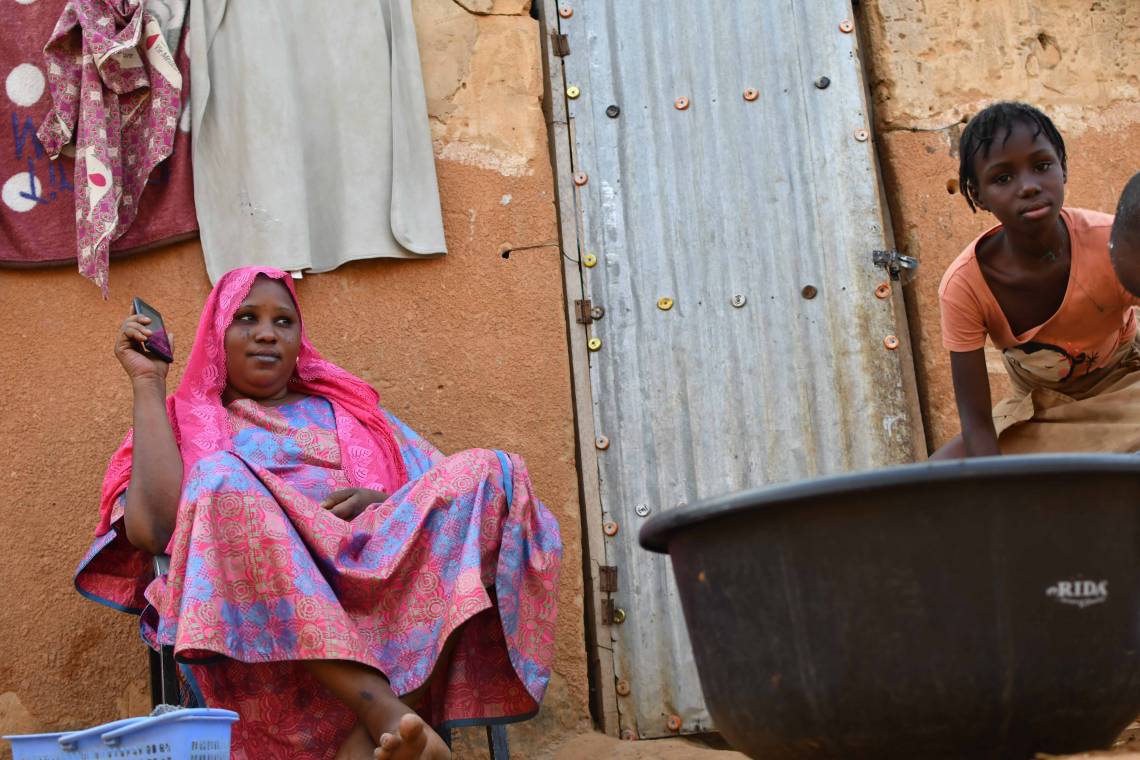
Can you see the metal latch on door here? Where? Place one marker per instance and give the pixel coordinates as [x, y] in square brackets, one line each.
[893, 261]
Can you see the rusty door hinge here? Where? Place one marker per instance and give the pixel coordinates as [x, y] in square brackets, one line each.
[582, 311]
[560, 44]
[607, 579]
[585, 312]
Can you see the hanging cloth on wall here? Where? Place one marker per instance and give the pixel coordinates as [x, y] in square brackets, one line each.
[170, 15]
[117, 94]
[37, 208]
[311, 139]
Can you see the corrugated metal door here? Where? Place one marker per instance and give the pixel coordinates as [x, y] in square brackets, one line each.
[727, 207]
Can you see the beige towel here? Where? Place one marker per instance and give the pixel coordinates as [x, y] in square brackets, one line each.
[311, 139]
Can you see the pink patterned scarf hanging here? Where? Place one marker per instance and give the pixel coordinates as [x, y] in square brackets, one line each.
[370, 454]
[117, 93]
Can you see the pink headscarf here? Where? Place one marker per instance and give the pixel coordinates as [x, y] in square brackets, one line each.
[369, 452]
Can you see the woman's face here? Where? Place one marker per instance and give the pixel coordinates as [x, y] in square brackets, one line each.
[262, 343]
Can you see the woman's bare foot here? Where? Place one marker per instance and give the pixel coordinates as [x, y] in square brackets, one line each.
[397, 733]
[413, 739]
[358, 745]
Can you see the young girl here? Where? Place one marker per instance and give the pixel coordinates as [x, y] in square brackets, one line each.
[1041, 286]
[329, 569]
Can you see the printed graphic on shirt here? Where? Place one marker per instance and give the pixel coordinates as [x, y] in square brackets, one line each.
[1050, 363]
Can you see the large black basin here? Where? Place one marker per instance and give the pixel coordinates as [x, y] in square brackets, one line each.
[977, 609]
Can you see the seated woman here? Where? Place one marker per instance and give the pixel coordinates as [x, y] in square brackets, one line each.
[333, 578]
[1041, 286]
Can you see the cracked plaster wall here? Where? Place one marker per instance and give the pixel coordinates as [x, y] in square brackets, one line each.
[470, 349]
[930, 65]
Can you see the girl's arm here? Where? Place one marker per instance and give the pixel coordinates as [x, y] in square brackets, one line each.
[972, 392]
[156, 464]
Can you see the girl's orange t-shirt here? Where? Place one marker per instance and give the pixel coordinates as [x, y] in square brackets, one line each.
[1095, 317]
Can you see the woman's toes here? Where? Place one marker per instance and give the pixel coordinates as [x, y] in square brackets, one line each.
[414, 740]
[412, 728]
[389, 745]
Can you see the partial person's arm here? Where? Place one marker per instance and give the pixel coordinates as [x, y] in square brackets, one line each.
[972, 394]
[156, 464]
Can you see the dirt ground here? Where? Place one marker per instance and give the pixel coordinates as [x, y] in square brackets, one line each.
[602, 747]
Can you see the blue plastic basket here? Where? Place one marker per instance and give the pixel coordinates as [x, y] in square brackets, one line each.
[194, 734]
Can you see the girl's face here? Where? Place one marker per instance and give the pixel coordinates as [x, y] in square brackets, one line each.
[262, 343]
[1021, 181]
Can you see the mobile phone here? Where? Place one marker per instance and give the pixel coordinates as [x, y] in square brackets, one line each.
[158, 344]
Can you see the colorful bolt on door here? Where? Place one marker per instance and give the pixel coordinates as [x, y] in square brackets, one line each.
[721, 211]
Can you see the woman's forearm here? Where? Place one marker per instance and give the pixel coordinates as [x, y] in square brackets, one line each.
[156, 470]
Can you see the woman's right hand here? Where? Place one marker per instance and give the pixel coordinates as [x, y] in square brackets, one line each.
[138, 365]
[348, 503]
